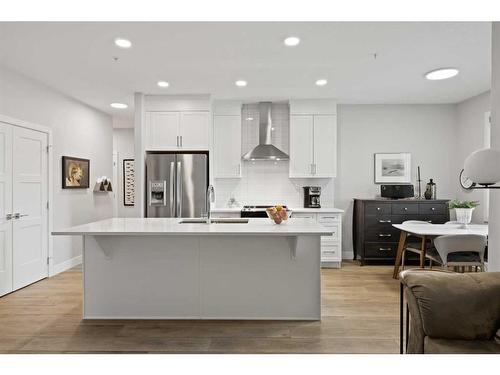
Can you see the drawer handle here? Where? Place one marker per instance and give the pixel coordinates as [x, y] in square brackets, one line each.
[385, 249]
[328, 217]
[385, 221]
[329, 252]
[429, 221]
[433, 209]
[378, 208]
[384, 235]
[406, 208]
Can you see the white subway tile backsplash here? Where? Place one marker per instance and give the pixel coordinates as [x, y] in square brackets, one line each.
[267, 182]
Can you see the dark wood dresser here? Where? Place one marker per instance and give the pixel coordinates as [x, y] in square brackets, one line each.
[374, 237]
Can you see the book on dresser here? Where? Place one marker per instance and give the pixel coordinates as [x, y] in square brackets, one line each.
[374, 237]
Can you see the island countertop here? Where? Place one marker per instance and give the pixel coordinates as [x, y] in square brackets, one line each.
[173, 227]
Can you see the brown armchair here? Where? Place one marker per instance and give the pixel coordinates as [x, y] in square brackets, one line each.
[451, 312]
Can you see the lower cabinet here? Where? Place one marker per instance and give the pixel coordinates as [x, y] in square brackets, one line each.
[331, 246]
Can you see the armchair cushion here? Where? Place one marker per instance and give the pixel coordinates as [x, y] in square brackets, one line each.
[444, 346]
[456, 306]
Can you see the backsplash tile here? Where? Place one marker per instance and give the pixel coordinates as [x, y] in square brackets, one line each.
[267, 182]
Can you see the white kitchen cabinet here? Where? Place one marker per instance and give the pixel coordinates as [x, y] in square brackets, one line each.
[177, 130]
[301, 145]
[227, 146]
[313, 146]
[331, 246]
[193, 130]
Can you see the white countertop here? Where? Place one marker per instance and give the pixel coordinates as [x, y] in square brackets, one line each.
[442, 229]
[293, 209]
[172, 227]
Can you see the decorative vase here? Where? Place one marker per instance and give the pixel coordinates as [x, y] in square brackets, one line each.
[464, 216]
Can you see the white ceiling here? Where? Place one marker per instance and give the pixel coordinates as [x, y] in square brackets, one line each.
[200, 58]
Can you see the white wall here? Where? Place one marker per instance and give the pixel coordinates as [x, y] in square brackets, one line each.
[426, 131]
[469, 137]
[494, 220]
[78, 130]
[123, 143]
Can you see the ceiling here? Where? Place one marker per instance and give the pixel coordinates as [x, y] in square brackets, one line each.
[78, 59]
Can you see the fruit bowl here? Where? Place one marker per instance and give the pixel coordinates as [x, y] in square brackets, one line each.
[278, 214]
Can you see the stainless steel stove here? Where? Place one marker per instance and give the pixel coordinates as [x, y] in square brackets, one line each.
[255, 211]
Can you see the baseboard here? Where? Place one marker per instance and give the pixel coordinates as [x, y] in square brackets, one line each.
[348, 255]
[64, 266]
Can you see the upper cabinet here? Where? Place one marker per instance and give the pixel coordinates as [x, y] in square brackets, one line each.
[227, 139]
[313, 139]
[177, 130]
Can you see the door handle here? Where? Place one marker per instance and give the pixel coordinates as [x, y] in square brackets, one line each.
[179, 189]
[171, 192]
[17, 215]
[8, 216]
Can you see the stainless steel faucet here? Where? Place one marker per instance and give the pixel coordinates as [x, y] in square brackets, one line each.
[210, 198]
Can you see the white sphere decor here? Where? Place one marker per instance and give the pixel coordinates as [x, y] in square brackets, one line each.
[483, 166]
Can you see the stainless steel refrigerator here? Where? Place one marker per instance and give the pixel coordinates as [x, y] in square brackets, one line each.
[176, 184]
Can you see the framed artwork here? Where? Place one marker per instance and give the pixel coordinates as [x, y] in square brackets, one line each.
[75, 173]
[393, 168]
[128, 182]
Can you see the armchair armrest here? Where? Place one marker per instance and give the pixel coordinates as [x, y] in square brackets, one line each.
[451, 306]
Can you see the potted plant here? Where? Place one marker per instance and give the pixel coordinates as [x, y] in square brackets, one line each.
[463, 210]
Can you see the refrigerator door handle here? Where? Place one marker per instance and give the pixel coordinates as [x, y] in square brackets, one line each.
[149, 193]
[171, 195]
[179, 189]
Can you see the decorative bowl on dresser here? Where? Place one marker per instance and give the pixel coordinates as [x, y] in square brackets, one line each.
[374, 237]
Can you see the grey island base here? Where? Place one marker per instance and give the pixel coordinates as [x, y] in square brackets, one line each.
[162, 269]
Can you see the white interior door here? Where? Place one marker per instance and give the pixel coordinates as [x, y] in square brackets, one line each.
[301, 145]
[194, 130]
[5, 209]
[29, 176]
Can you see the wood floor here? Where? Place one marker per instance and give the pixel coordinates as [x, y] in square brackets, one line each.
[359, 315]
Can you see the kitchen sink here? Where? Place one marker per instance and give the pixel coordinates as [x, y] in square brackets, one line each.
[214, 221]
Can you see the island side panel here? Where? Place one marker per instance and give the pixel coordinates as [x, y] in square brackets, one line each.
[142, 277]
[260, 277]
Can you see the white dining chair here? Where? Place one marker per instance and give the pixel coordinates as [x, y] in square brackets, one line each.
[462, 250]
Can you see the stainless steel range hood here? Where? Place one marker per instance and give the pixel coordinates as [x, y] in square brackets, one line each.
[265, 150]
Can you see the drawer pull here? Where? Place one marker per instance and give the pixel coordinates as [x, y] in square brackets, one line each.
[385, 249]
[433, 209]
[329, 252]
[406, 208]
[328, 217]
[378, 208]
[385, 235]
[385, 221]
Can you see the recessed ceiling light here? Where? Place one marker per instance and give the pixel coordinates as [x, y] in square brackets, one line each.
[321, 82]
[291, 41]
[442, 73]
[163, 84]
[123, 43]
[119, 105]
[241, 83]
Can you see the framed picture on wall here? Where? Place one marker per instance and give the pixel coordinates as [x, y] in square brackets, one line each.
[393, 168]
[128, 182]
[75, 173]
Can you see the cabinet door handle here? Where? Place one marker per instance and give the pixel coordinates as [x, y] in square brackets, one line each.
[385, 249]
[385, 221]
[239, 169]
[177, 141]
[17, 215]
[385, 235]
[8, 216]
[181, 140]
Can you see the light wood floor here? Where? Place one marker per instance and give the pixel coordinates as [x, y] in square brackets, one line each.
[359, 315]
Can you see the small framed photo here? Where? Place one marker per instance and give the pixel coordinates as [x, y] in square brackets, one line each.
[393, 168]
[75, 173]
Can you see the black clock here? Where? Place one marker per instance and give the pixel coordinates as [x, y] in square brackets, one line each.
[466, 182]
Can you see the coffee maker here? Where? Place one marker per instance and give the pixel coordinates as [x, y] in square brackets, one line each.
[311, 196]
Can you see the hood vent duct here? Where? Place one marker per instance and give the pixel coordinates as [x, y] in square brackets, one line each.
[265, 149]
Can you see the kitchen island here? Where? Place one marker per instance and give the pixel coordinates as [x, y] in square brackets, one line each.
[164, 268]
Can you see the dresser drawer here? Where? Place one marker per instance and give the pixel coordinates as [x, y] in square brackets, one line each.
[381, 249]
[334, 230]
[377, 208]
[404, 208]
[382, 235]
[433, 209]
